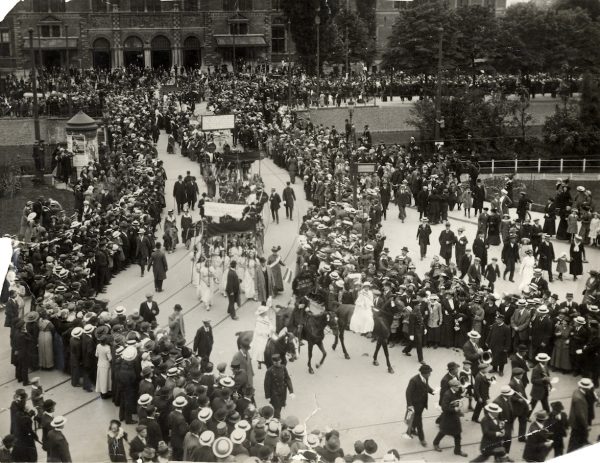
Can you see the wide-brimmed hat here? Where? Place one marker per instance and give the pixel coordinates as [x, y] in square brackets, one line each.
[226, 381]
[585, 383]
[542, 357]
[205, 414]
[145, 399]
[507, 390]
[180, 402]
[238, 436]
[243, 425]
[493, 408]
[77, 332]
[58, 422]
[31, 317]
[129, 354]
[222, 447]
[311, 441]
[474, 334]
[207, 438]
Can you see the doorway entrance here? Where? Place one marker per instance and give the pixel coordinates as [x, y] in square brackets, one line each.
[52, 58]
[161, 52]
[133, 52]
[192, 55]
[101, 54]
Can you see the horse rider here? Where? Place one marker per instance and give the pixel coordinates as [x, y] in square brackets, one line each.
[299, 316]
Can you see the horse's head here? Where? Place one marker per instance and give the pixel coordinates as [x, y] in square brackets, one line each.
[291, 347]
[332, 321]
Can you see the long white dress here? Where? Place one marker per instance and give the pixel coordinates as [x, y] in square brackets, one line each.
[362, 318]
[103, 372]
[527, 266]
[263, 330]
[205, 289]
[225, 268]
[249, 280]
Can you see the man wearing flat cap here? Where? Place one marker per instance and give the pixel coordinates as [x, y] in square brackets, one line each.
[450, 419]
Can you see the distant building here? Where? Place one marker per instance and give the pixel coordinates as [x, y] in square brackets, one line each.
[150, 33]
[388, 10]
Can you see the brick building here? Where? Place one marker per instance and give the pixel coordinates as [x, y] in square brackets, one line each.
[151, 33]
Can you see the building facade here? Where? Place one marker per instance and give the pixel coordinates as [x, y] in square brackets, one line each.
[150, 33]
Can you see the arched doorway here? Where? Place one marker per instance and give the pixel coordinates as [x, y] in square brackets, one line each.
[101, 54]
[161, 52]
[192, 57]
[133, 52]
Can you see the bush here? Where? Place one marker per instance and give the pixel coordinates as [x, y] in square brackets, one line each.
[10, 180]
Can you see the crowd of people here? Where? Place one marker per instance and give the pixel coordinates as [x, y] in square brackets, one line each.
[188, 408]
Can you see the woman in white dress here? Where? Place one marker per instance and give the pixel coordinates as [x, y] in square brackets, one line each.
[527, 266]
[207, 280]
[362, 318]
[225, 264]
[249, 280]
[103, 372]
[263, 330]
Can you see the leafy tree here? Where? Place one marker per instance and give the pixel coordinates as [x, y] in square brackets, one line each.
[564, 132]
[366, 10]
[414, 42]
[302, 16]
[591, 7]
[361, 44]
[519, 116]
[590, 103]
[477, 35]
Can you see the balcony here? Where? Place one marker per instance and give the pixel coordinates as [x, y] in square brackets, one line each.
[51, 43]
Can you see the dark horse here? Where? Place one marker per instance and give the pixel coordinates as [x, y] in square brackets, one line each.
[283, 345]
[382, 330]
[313, 330]
[344, 314]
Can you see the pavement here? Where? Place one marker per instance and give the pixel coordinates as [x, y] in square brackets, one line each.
[353, 396]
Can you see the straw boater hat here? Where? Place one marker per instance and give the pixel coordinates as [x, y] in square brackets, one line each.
[473, 335]
[542, 357]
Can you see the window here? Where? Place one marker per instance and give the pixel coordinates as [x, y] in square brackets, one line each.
[41, 6]
[48, 30]
[238, 28]
[153, 5]
[100, 5]
[278, 39]
[190, 5]
[136, 5]
[4, 43]
[276, 5]
[234, 5]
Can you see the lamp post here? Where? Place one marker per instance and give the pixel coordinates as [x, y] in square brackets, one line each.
[438, 93]
[235, 29]
[318, 23]
[36, 119]
[289, 54]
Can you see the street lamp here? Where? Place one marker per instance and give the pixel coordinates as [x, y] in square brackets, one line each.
[318, 23]
[38, 149]
[438, 95]
[289, 54]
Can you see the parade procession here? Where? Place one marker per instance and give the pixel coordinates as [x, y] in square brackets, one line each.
[225, 257]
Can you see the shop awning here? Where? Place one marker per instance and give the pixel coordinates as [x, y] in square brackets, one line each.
[241, 40]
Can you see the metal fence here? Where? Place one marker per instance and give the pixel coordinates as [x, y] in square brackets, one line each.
[540, 166]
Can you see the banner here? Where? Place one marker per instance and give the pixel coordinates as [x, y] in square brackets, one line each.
[220, 209]
[239, 226]
[245, 156]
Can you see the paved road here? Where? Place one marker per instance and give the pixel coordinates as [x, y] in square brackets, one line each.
[360, 400]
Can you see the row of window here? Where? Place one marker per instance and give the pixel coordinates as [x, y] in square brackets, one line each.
[58, 6]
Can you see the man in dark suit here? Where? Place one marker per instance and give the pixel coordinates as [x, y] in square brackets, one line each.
[539, 439]
[545, 255]
[520, 405]
[480, 249]
[450, 418]
[471, 349]
[492, 435]
[203, 341]
[499, 341]
[542, 284]
[465, 262]
[143, 249]
[447, 240]
[11, 309]
[179, 194]
[232, 289]
[540, 380]
[541, 331]
[519, 360]
[416, 331]
[149, 310]
[504, 401]
[579, 415]
[289, 197]
[417, 394]
[423, 233]
[578, 339]
[569, 304]
[274, 204]
[510, 257]
[481, 391]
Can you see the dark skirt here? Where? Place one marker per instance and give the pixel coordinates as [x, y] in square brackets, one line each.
[550, 226]
[561, 232]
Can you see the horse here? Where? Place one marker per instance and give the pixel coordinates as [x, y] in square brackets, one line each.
[344, 314]
[284, 345]
[313, 332]
[382, 330]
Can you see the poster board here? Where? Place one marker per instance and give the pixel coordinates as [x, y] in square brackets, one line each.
[220, 209]
[223, 122]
